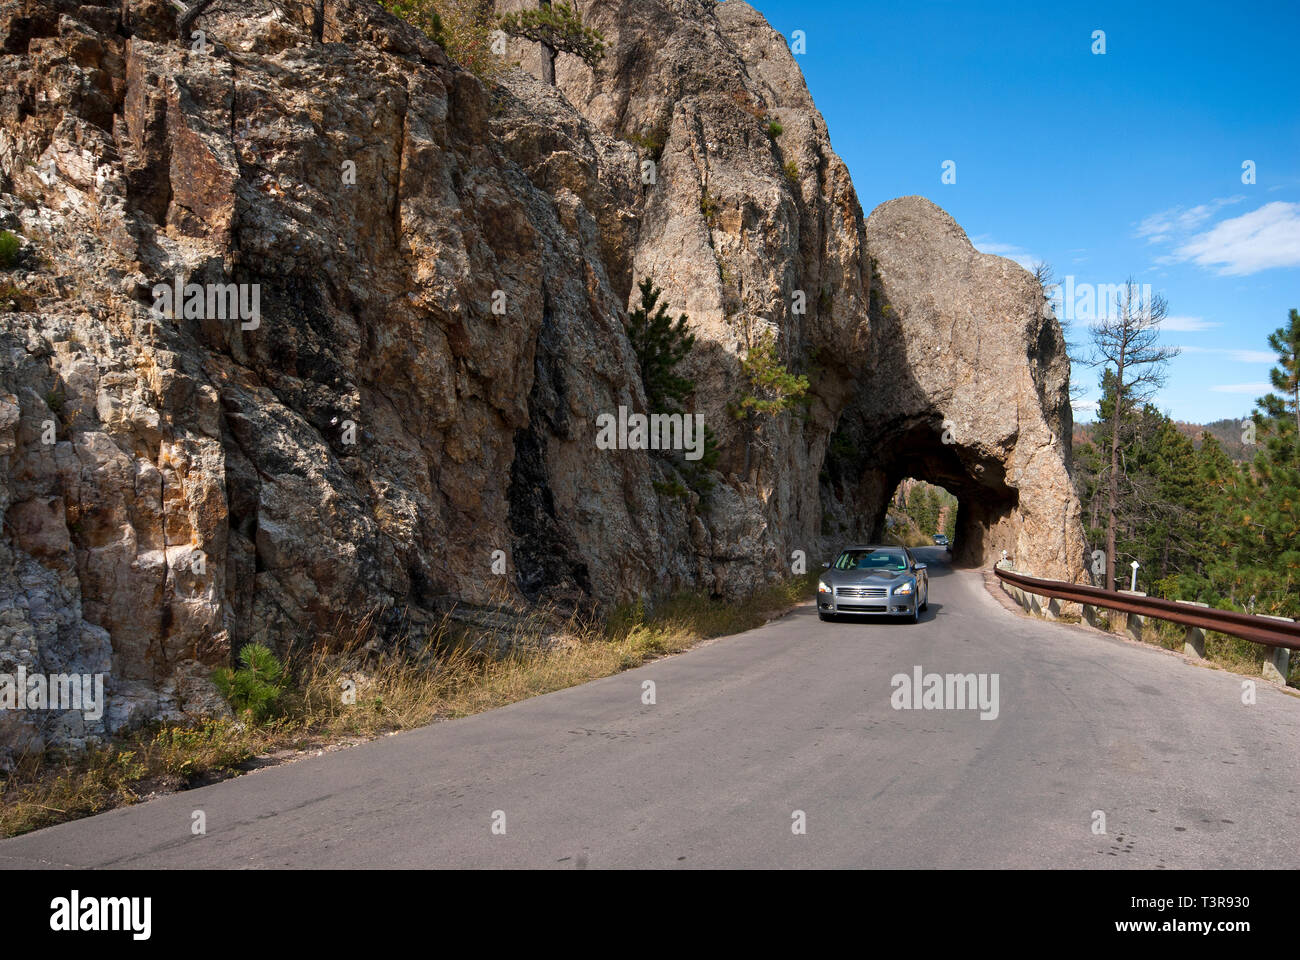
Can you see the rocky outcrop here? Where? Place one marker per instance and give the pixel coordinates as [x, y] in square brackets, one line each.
[973, 394]
[442, 269]
[751, 226]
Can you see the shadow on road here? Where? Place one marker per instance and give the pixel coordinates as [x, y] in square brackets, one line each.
[880, 620]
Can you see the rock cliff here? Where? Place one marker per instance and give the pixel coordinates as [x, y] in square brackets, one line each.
[442, 270]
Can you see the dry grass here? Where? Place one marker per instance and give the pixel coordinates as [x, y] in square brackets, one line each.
[41, 791]
[1226, 652]
[907, 536]
[460, 27]
[1221, 650]
[345, 692]
[746, 102]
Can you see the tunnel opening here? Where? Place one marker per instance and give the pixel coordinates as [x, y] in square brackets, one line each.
[869, 463]
[920, 514]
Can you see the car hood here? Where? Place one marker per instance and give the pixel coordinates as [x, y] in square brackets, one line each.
[841, 578]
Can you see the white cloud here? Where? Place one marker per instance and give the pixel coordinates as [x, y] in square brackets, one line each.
[1265, 238]
[1084, 406]
[1241, 356]
[1185, 325]
[1255, 388]
[1162, 226]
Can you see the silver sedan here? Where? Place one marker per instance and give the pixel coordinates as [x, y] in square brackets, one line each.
[873, 580]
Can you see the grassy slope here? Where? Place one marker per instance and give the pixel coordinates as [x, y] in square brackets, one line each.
[447, 675]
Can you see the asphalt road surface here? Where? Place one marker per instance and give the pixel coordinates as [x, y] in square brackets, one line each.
[749, 729]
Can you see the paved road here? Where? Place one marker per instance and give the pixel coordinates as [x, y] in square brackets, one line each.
[794, 716]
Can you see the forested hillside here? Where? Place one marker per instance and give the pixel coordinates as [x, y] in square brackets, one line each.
[1228, 432]
[1204, 524]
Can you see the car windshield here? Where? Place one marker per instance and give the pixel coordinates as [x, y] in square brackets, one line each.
[871, 560]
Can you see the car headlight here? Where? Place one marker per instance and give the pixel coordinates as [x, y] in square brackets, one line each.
[823, 587]
[905, 588]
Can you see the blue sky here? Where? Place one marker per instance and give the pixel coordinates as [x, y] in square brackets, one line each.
[1104, 166]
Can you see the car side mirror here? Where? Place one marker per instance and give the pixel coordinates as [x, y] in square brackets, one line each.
[920, 566]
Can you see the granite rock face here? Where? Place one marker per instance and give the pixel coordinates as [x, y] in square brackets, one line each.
[973, 394]
[442, 270]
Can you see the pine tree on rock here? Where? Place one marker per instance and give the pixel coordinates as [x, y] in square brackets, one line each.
[660, 343]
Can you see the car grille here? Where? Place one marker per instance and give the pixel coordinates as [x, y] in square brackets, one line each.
[860, 591]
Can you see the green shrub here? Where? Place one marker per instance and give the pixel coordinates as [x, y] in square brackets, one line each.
[256, 686]
[774, 129]
[653, 140]
[772, 388]
[670, 488]
[842, 448]
[8, 249]
[697, 472]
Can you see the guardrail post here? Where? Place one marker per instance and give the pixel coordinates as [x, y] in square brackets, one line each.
[1282, 662]
[1017, 594]
[1194, 638]
[1278, 666]
[1133, 621]
[1092, 615]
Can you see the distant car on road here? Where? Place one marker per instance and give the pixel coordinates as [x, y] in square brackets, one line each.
[941, 540]
[873, 581]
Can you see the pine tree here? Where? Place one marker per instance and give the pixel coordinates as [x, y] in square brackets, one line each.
[558, 28]
[1270, 488]
[773, 388]
[931, 521]
[660, 343]
[1286, 376]
[1250, 513]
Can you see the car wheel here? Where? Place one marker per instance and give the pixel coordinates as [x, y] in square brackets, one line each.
[826, 617]
[916, 614]
[925, 605]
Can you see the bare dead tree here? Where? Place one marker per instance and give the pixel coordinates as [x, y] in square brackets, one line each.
[1045, 277]
[1128, 343]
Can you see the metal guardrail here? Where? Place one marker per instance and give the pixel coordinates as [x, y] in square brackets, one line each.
[1270, 631]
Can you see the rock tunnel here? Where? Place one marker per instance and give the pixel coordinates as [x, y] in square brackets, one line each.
[966, 386]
